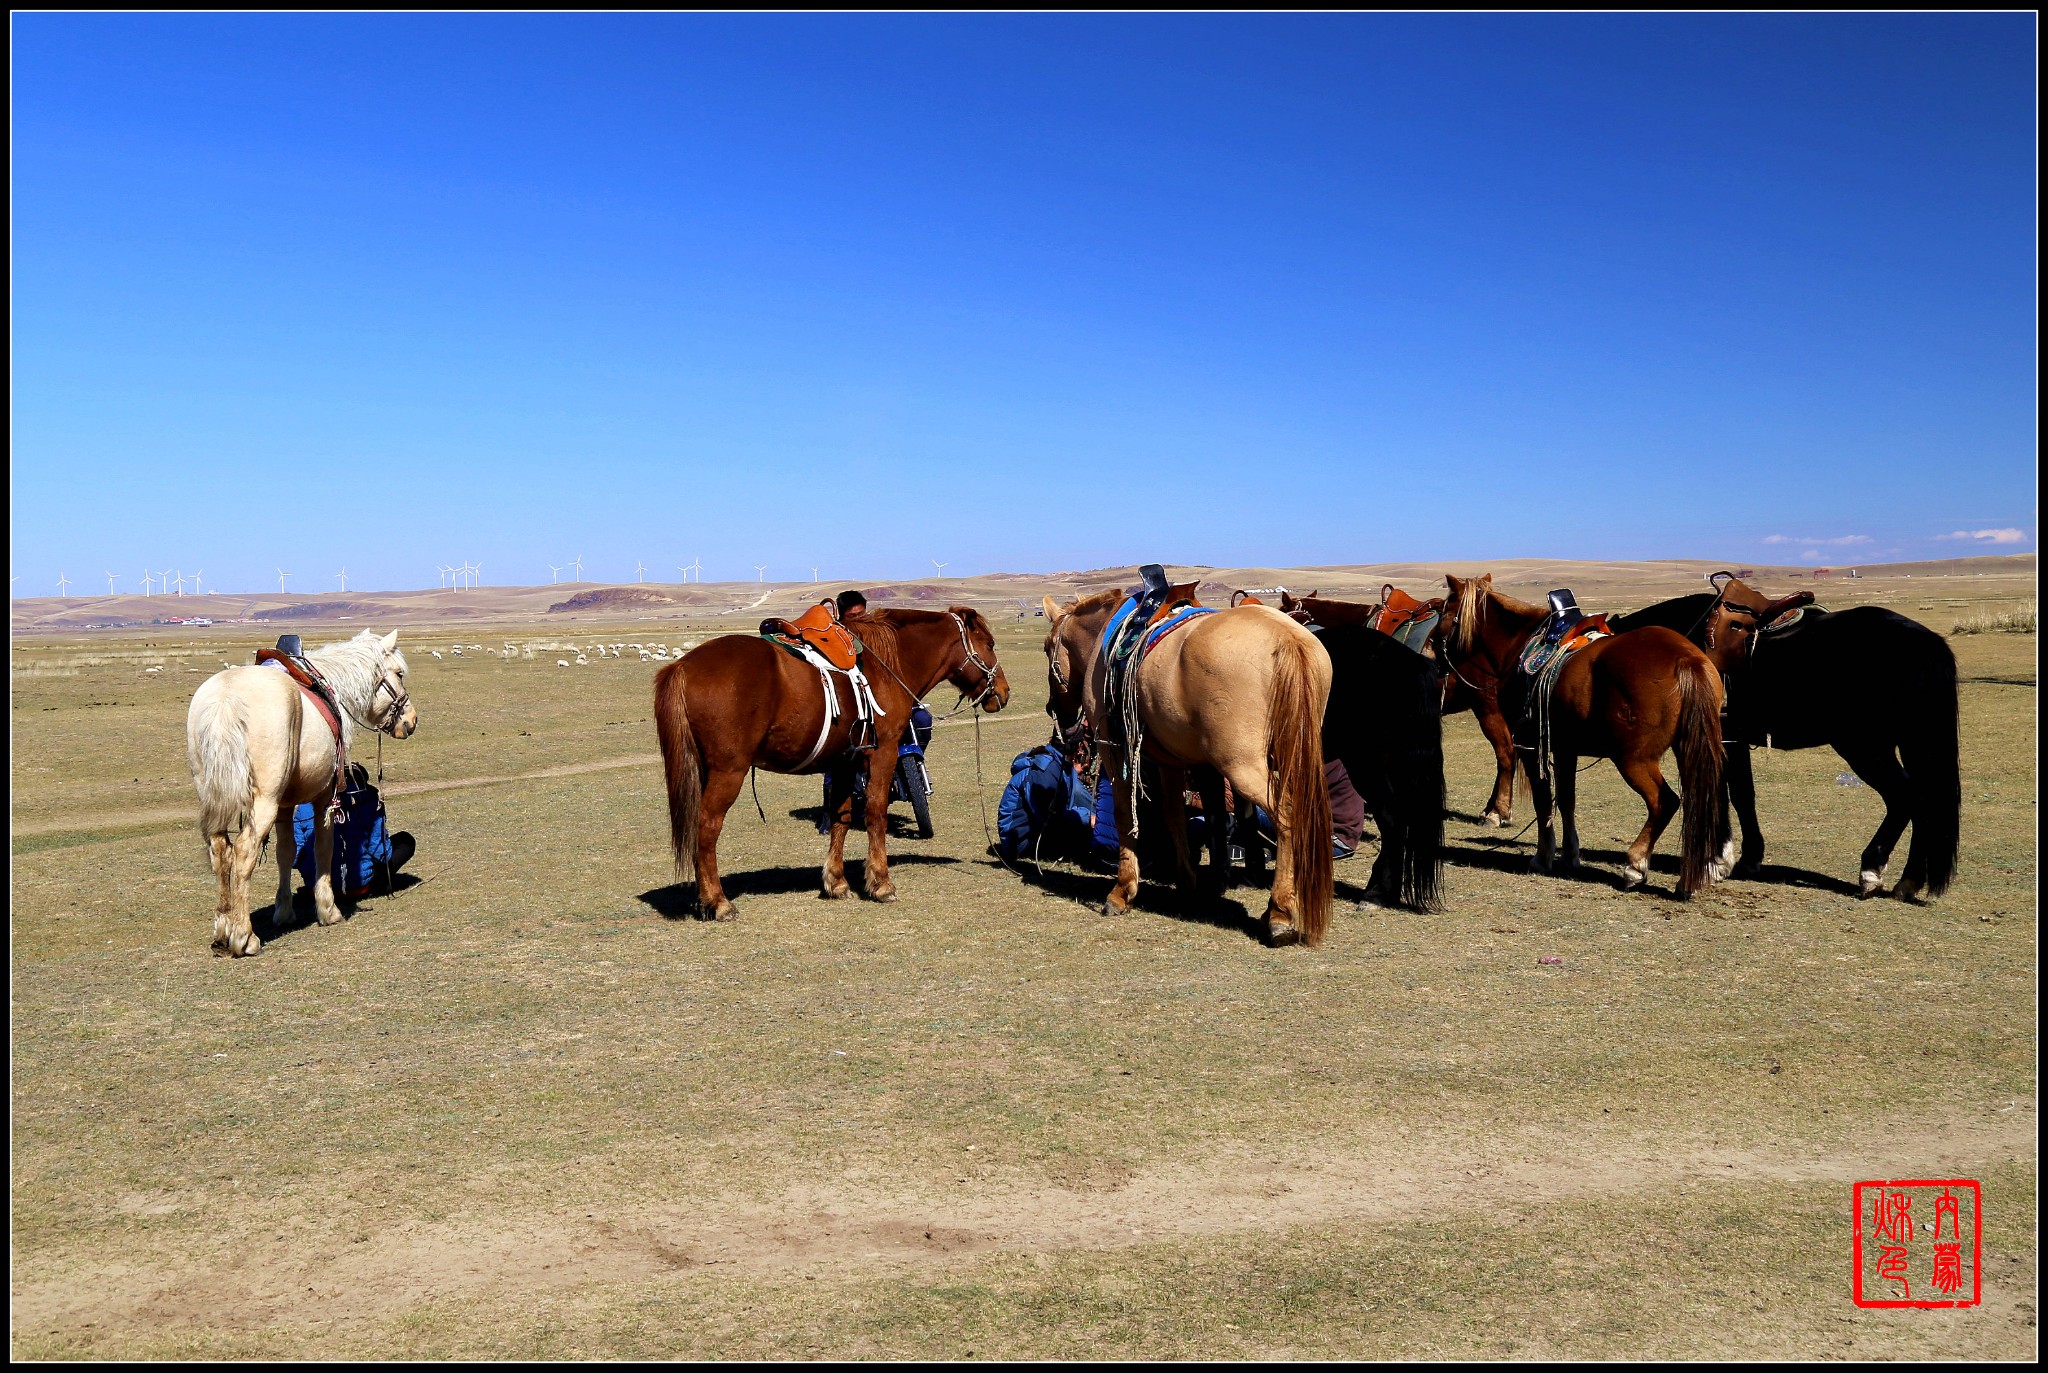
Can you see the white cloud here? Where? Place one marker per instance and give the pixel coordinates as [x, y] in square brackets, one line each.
[1987, 535]
[1843, 541]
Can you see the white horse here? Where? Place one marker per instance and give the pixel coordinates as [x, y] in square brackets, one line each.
[257, 749]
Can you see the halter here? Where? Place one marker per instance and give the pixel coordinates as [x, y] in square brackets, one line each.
[988, 673]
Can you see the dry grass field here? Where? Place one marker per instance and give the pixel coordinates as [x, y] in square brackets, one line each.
[527, 1108]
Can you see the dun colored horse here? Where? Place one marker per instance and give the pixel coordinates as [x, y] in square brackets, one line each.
[1460, 692]
[1242, 690]
[1878, 688]
[257, 748]
[739, 702]
[1629, 697]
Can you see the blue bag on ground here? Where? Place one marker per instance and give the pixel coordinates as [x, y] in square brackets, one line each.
[360, 840]
[1045, 808]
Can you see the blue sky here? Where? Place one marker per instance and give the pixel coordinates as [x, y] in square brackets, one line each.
[1014, 292]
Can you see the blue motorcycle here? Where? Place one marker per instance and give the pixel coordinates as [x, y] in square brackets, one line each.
[911, 782]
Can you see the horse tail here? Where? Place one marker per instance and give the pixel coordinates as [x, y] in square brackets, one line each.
[1416, 773]
[1301, 792]
[217, 748]
[681, 765]
[1699, 769]
[1929, 750]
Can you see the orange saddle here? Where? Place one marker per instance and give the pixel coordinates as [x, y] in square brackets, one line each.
[1398, 608]
[818, 627]
[1585, 631]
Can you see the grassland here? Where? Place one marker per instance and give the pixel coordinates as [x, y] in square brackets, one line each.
[526, 1108]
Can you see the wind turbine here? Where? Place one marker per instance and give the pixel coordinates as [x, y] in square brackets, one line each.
[195, 582]
[941, 566]
[472, 569]
[639, 570]
[554, 574]
[577, 563]
[281, 575]
[760, 572]
[110, 583]
[442, 572]
[342, 577]
[697, 566]
[179, 581]
[814, 574]
[145, 581]
[63, 582]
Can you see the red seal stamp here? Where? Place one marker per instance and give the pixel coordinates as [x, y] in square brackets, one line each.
[1919, 1242]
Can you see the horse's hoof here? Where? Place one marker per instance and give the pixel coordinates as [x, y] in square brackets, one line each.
[1748, 868]
[249, 947]
[1631, 878]
[1493, 820]
[332, 917]
[1110, 907]
[840, 893]
[1907, 890]
[724, 910]
[1539, 865]
[1869, 884]
[1281, 933]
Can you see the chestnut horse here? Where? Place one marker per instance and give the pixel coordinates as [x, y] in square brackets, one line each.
[1628, 697]
[1242, 690]
[1878, 688]
[739, 702]
[1460, 693]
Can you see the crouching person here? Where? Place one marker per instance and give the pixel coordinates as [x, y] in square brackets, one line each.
[366, 857]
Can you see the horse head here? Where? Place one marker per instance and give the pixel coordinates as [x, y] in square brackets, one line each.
[977, 673]
[1066, 667]
[391, 709]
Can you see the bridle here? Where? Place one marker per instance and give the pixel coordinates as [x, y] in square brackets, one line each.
[988, 672]
[400, 699]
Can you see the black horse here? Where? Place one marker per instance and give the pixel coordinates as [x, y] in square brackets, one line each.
[1877, 687]
[1385, 724]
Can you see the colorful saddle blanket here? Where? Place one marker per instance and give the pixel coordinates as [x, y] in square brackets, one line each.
[1137, 627]
[1541, 652]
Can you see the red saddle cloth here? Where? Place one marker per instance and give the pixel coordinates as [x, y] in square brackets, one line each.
[819, 627]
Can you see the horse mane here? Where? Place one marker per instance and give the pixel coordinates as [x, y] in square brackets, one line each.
[353, 668]
[1472, 599]
[1108, 599]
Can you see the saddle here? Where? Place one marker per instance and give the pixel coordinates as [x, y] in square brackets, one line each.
[819, 638]
[819, 628]
[1406, 620]
[289, 658]
[1155, 611]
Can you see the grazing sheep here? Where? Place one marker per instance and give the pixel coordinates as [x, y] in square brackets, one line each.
[435, 651]
[561, 662]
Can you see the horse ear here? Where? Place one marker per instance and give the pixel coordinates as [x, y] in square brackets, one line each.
[1487, 580]
[1050, 607]
[388, 642]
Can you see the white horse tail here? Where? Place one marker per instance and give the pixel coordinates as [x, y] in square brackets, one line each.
[217, 747]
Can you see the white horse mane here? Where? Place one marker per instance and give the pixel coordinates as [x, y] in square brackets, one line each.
[353, 668]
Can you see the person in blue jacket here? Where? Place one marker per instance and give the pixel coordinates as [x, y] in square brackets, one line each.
[365, 855]
[1046, 810]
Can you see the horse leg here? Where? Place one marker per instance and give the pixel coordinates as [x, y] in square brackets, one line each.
[1125, 889]
[1647, 780]
[1494, 725]
[1216, 824]
[835, 888]
[1253, 780]
[1567, 771]
[287, 854]
[721, 789]
[324, 909]
[1173, 813]
[1372, 779]
[232, 934]
[875, 881]
[1879, 766]
[1739, 781]
[1546, 838]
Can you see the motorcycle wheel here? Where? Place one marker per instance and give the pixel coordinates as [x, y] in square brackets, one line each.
[911, 769]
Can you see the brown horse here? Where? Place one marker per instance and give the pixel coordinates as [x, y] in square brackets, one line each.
[739, 702]
[1242, 690]
[1462, 691]
[1629, 697]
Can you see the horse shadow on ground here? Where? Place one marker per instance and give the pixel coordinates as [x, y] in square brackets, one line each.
[678, 900]
[300, 916]
[1090, 888]
[1603, 867]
